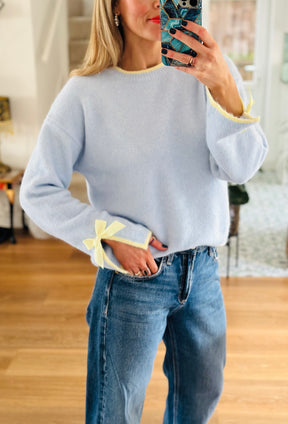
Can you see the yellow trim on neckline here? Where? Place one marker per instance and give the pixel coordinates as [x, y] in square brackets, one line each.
[143, 71]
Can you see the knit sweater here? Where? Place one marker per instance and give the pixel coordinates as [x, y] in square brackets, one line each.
[156, 151]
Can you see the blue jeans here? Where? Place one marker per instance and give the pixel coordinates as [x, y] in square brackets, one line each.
[128, 317]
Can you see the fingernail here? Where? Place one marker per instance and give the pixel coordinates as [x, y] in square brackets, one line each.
[164, 245]
[164, 51]
[172, 31]
[184, 23]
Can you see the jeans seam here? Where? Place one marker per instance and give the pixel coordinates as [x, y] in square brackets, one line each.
[187, 276]
[175, 372]
[191, 274]
[183, 277]
[104, 355]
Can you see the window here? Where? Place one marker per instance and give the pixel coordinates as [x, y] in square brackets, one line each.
[232, 23]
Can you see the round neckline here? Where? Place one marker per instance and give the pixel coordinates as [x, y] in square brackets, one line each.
[142, 71]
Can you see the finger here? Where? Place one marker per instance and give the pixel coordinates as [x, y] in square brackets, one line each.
[199, 30]
[157, 244]
[135, 271]
[180, 57]
[152, 265]
[143, 264]
[146, 272]
[188, 40]
[184, 69]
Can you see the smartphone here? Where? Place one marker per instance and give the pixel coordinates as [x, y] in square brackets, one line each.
[172, 13]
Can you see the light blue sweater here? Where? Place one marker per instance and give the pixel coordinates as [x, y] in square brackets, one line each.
[156, 152]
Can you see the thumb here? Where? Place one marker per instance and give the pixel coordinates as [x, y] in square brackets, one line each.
[157, 244]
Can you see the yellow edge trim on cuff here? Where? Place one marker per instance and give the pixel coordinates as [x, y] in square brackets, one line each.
[117, 268]
[108, 233]
[248, 119]
[133, 243]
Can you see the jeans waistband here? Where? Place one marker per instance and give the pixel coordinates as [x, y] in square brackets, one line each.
[169, 258]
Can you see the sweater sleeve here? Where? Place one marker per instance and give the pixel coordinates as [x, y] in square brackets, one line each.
[44, 193]
[237, 145]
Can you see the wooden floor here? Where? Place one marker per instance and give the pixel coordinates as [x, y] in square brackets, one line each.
[44, 290]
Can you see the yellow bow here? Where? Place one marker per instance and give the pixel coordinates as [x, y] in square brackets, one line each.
[103, 233]
[250, 104]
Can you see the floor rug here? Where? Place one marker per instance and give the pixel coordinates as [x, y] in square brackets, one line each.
[262, 231]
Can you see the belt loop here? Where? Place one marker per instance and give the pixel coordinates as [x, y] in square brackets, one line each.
[170, 258]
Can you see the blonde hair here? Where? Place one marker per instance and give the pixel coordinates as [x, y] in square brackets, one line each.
[106, 43]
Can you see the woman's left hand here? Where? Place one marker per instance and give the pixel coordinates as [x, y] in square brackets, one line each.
[208, 66]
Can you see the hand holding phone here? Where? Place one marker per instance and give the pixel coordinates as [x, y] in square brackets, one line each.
[208, 66]
[173, 13]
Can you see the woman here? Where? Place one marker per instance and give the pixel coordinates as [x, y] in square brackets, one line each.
[157, 146]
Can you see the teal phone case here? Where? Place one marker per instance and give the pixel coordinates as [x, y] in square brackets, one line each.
[172, 13]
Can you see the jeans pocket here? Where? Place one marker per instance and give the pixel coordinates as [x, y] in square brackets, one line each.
[134, 278]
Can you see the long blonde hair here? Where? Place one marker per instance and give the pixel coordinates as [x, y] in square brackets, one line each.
[106, 43]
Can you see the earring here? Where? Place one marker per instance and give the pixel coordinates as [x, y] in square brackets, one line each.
[116, 20]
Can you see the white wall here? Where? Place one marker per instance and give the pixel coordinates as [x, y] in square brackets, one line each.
[17, 77]
[275, 104]
[50, 29]
[88, 7]
[34, 66]
[80, 7]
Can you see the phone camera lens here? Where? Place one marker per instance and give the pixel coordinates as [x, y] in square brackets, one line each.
[193, 3]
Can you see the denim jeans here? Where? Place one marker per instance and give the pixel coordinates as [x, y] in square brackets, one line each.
[128, 317]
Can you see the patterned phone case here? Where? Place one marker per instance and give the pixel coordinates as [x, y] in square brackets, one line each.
[172, 13]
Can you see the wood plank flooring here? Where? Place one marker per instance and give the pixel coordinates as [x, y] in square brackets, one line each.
[44, 290]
